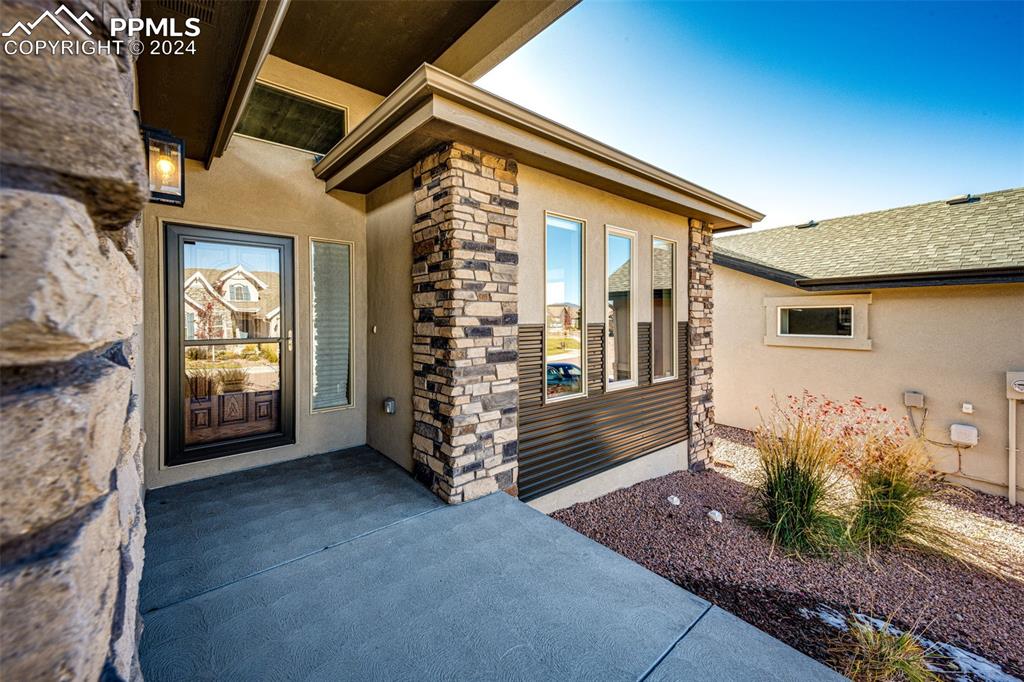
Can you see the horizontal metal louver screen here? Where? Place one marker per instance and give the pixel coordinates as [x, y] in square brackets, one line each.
[564, 442]
[331, 324]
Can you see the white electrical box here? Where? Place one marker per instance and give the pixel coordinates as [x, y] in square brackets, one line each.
[963, 434]
[1015, 385]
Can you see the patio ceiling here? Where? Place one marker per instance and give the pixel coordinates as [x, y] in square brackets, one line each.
[373, 44]
[188, 94]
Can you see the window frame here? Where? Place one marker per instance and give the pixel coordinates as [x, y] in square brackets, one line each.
[172, 449]
[634, 350]
[301, 95]
[351, 324]
[583, 311]
[778, 322]
[248, 294]
[860, 324]
[673, 352]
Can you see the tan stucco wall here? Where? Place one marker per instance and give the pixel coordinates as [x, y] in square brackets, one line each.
[260, 187]
[540, 191]
[390, 214]
[954, 344]
[358, 101]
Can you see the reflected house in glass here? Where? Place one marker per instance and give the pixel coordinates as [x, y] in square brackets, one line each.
[231, 304]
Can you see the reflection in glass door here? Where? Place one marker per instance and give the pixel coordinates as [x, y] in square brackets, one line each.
[229, 343]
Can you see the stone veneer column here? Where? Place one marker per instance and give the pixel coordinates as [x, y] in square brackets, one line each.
[702, 409]
[72, 184]
[465, 304]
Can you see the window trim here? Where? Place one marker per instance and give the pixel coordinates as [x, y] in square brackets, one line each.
[778, 322]
[583, 310]
[246, 289]
[351, 283]
[634, 351]
[860, 324]
[674, 350]
[302, 95]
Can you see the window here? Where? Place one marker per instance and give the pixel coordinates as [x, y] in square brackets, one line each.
[816, 321]
[837, 321]
[288, 119]
[239, 292]
[564, 338]
[663, 322]
[330, 315]
[620, 359]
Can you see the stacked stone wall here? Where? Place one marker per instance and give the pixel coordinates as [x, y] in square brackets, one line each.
[72, 185]
[700, 290]
[465, 303]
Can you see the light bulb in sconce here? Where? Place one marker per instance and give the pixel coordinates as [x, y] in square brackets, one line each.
[165, 167]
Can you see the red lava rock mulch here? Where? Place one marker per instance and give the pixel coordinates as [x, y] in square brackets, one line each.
[733, 565]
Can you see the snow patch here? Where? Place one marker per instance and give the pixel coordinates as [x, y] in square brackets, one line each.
[958, 664]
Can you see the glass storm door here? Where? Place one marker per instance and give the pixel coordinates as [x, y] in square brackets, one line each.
[229, 343]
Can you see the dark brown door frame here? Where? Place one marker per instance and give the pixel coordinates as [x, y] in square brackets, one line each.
[176, 452]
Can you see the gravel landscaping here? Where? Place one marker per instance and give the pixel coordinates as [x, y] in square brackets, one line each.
[978, 607]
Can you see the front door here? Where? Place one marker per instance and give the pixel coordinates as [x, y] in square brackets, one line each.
[230, 361]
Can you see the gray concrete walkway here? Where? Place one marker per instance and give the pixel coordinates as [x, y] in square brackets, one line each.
[341, 567]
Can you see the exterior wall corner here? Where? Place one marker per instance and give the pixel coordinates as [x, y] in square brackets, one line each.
[699, 293]
[465, 339]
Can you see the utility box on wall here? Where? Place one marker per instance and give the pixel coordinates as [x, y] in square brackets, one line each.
[1015, 385]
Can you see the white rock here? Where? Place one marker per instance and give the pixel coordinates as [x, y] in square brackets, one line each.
[715, 515]
[673, 500]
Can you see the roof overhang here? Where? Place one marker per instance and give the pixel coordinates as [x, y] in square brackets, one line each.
[334, 38]
[885, 281]
[432, 107]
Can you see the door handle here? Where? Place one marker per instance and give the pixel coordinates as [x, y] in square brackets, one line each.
[289, 340]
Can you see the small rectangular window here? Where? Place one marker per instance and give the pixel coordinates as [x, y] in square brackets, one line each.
[663, 324]
[816, 321]
[620, 331]
[288, 119]
[564, 340]
[330, 318]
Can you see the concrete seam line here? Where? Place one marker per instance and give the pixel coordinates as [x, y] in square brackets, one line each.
[674, 644]
[293, 560]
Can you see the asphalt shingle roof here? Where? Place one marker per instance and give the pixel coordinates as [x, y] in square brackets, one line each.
[932, 237]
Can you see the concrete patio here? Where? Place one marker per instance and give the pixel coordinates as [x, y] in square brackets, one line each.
[341, 566]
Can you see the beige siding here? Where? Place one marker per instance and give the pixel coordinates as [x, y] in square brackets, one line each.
[954, 344]
[390, 321]
[260, 187]
[540, 191]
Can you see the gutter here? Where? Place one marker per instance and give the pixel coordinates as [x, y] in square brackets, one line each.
[762, 271]
[935, 278]
[897, 280]
[429, 82]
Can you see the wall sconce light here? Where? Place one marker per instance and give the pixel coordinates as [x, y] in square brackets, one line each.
[165, 160]
[390, 406]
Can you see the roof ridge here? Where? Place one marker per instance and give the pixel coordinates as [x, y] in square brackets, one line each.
[747, 233]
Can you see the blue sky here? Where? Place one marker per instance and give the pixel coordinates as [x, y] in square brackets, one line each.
[218, 256]
[799, 110]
